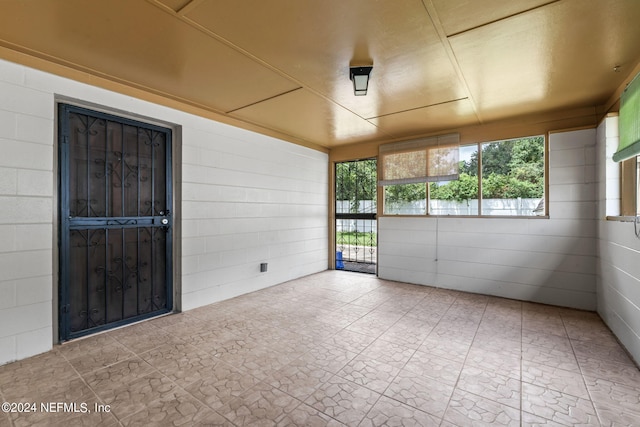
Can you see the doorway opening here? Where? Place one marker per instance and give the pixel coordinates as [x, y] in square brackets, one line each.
[356, 226]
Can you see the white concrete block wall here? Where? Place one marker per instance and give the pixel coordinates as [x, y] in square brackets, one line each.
[618, 281]
[247, 199]
[608, 171]
[26, 216]
[247, 203]
[542, 260]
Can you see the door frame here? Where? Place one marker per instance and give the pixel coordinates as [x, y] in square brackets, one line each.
[334, 216]
[174, 263]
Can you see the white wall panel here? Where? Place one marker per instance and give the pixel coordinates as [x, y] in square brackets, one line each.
[23, 319]
[34, 129]
[238, 188]
[573, 210]
[572, 192]
[564, 158]
[8, 181]
[35, 183]
[618, 250]
[20, 154]
[32, 342]
[8, 292]
[25, 100]
[573, 174]
[33, 290]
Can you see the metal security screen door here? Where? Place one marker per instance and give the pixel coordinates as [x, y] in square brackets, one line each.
[356, 224]
[115, 223]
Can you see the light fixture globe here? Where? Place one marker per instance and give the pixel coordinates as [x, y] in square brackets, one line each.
[360, 78]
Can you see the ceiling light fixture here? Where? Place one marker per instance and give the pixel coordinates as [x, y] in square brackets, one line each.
[360, 78]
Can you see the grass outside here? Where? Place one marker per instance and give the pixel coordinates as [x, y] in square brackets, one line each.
[356, 239]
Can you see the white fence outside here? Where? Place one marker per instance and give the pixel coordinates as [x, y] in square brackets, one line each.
[506, 207]
[359, 225]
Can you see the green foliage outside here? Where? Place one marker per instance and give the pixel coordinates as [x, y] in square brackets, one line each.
[510, 169]
[356, 181]
[404, 192]
[464, 188]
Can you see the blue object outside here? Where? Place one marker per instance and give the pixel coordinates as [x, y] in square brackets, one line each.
[339, 263]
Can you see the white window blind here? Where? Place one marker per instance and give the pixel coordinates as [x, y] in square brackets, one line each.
[423, 160]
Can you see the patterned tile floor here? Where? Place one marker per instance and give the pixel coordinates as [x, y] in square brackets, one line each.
[339, 348]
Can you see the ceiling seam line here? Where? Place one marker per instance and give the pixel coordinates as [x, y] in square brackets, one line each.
[417, 108]
[188, 7]
[437, 24]
[263, 100]
[198, 27]
[73, 66]
[502, 19]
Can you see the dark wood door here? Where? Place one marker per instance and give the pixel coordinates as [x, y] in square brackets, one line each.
[115, 221]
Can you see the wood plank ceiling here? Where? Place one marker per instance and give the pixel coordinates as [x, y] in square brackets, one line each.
[282, 65]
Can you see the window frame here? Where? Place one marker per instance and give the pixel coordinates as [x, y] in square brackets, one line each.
[629, 181]
[478, 145]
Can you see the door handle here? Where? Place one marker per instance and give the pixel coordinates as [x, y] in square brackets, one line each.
[165, 221]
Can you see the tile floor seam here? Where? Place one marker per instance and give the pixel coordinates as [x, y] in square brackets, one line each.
[159, 399]
[302, 402]
[85, 381]
[372, 406]
[205, 404]
[118, 418]
[324, 413]
[616, 405]
[584, 381]
[462, 365]
[389, 385]
[408, 404]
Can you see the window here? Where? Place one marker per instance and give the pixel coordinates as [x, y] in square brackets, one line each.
[407, 166]
[405, 199]
[630, 186]
[459, 197]
[499, 178]
[513, 176]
